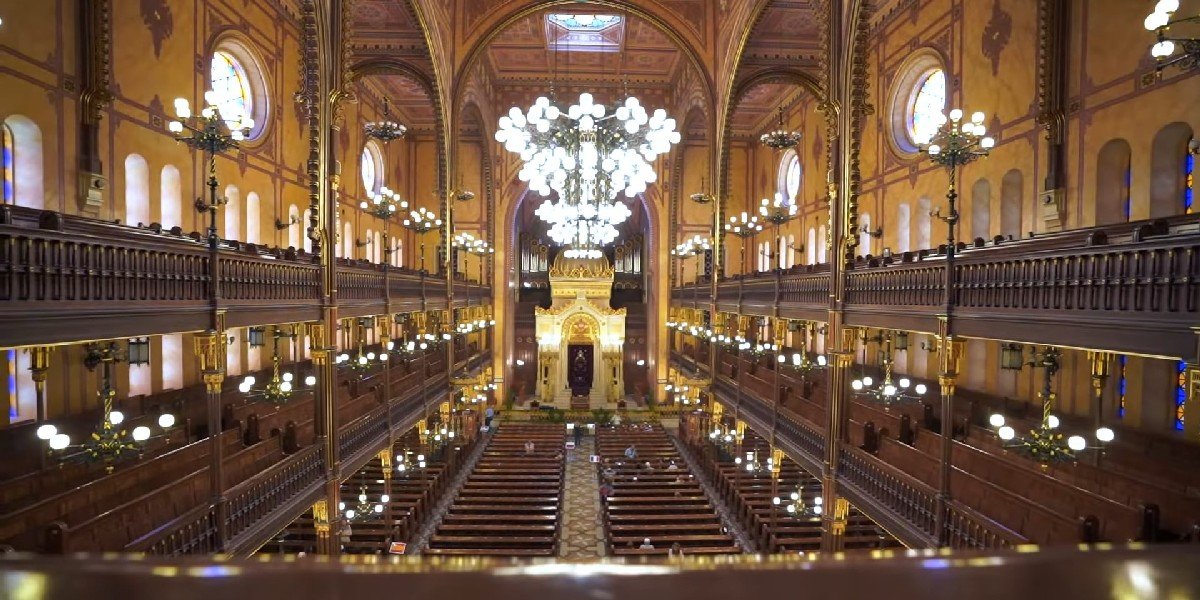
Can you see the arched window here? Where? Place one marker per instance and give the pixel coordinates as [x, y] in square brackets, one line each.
[295, 227]
[864, 236]
[399, 254]
[788, 182]
[233, 213]
[377, 247]
[170, 197]
[7, 164]
[347, 240]
[924, 224]
[903, 225]
[1112, 183]
[369, 249]
[791, 252]
[1122, 384]
[230, 86]
[304, 224]
[238, 87]
[26, 187]
[1011, 188]
[253, 235]
[371, 168]
[981, 209]
[137, 191]
[812, 246]
[1171, 172]
[172, 361]
[1181, 392]
[22, 401]
[926, 107]
[821, 253]
[233, 353]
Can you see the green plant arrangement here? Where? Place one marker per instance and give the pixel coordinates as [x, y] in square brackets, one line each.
[602, 417]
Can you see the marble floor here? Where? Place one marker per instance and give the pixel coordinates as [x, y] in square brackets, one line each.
[582, 526]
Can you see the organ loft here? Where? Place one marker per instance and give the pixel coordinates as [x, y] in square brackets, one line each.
[644, 298]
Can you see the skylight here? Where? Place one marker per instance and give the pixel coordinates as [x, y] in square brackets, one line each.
[584, 23]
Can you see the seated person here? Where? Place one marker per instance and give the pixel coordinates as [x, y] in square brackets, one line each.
[646, 545]
[631, 452]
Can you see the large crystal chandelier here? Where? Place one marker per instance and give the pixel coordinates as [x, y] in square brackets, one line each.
[586, 155]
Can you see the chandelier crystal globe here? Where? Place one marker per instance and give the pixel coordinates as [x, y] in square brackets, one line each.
[587, 156]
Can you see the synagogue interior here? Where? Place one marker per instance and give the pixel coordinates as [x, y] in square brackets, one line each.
[612, 298]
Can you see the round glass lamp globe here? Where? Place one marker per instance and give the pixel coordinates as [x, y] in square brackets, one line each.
[996, 420]
[1076, 443]
[1007, 433]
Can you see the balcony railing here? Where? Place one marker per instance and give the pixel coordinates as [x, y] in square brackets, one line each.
[1133, 287]
[60, 273]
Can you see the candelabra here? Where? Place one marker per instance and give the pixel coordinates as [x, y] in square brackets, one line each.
[1160, 22]
[278, 390]
[211, 133]
[108, 443]
[750, 463]
[384, 204]
[796, 507]
[781, 139]
[953, 145]
[364, 507]
[385, 129]
[1046, 443]
[777, 212]
[743, 226]
[421, 221]
[887, 391]
[693, 246]
[362, 361]
[409, 462]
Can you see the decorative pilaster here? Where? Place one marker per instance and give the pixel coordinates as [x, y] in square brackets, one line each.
[325, 537]
[1053, 41]
[39, 364]
[950, 355]
[209, 347]
[96, 49]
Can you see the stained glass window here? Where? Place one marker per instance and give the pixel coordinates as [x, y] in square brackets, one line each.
[1128, 197]
[6, 163]
[231, 88]
[1189, 182]
[368, 170]
[793, 179]
[584, 22]
[926, 107]
[1180, 392]
[1122, 384]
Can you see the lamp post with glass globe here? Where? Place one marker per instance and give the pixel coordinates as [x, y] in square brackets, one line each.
[211, 133]
[954, 144]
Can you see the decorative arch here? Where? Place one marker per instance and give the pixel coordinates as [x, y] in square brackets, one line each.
[27, 162]
[253, 214]
[1168, 170]
[137, 191]
[233, 213]
[170, 197]
[1113, 179]
[1011, 190]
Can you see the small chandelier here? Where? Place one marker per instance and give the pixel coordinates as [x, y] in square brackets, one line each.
[751, 464]
[693, 246]
[781, 139]
[362, 361]
[421, 220]
[586, 253]
[363, 508]
[278, 390]
[796, 507]
[1046, 443]
[384, 204]
[887, 391]
[743, 225]
[1163, 51]
[108, 443]
[801, 362]
[955, 143]
[385, 130]
[724, 437]
[407, 463]
[470, 243]
[779, 211]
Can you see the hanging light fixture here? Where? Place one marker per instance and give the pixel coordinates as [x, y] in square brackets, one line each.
[795, 506]
[692, 246]
[781, 139]
[362, 361]
[385, 129]
[587, 155]
[385, 204]
[364, 507]
[409, 462]
[278, 390]
[888, 390]
[1160, 22]
[109, 443]
[1046, 442]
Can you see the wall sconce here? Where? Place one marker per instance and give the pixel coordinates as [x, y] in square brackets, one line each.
[1012, 357]
[641, 362]
[139, 351]
[887, 253]
[255, 337]
[281, 225]
[876, 233]
[362, 243]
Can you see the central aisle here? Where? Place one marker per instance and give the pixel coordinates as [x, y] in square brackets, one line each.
[582, 527]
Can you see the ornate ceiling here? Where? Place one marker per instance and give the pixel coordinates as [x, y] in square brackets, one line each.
[671, 53]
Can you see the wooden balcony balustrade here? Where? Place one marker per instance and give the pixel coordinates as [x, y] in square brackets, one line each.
[1132, 287]
[66, 278]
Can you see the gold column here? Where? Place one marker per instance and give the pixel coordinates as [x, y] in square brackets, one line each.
[209, 347]
[323, 351]
[949, 354]
[321, 522]
[385, 464]
[839, 375]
